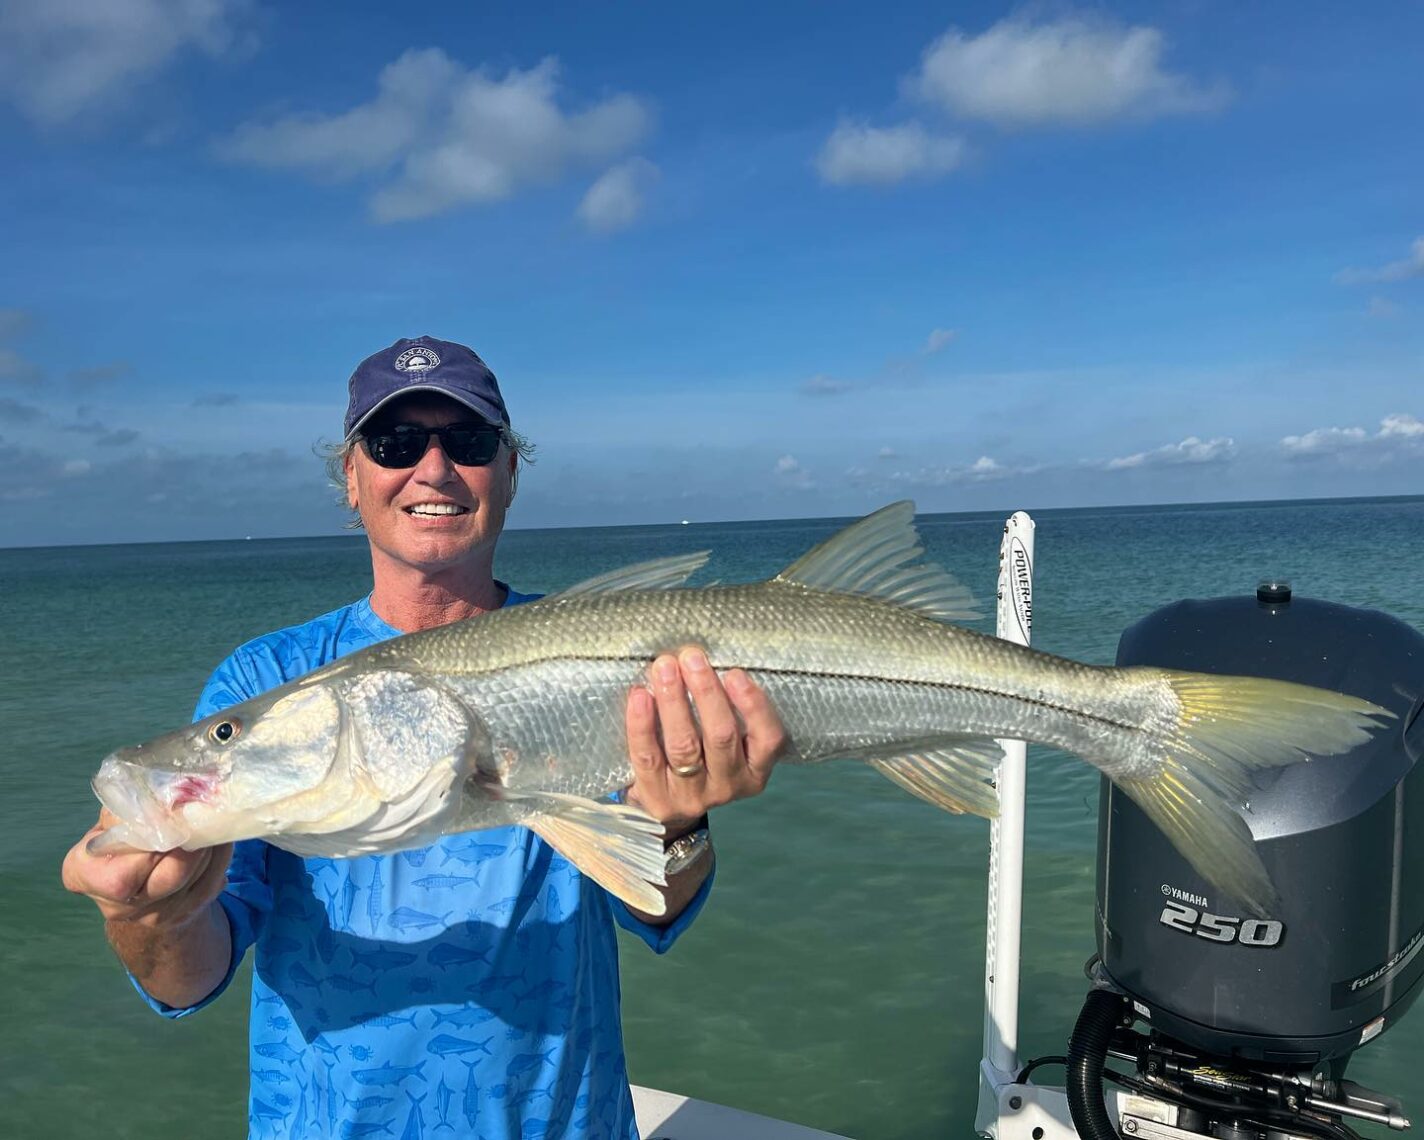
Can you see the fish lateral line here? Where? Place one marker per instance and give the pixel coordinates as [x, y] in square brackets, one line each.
[822, 674]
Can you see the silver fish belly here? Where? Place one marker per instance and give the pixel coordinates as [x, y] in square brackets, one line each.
[517, 716]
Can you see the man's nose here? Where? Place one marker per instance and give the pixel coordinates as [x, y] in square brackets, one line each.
[434, 464]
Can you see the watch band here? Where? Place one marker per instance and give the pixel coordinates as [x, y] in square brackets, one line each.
[686, 850]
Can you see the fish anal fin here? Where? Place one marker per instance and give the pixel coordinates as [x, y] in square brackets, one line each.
[955, 773]
[659, 574]
[616, 845]
[879, 557]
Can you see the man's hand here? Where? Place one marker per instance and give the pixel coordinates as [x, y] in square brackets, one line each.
[161, 913]
[680, 771]
[149, 888]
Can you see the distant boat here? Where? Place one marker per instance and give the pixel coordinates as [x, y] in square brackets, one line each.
[684, 522]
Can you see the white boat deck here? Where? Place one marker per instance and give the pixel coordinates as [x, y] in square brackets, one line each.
[668, 1116]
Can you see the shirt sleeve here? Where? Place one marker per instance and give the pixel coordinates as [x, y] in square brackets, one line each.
[247, 898]
[661, 938]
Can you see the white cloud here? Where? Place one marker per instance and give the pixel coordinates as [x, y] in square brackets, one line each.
[937, 340]
[1382, 307]
[1323, 441]
[823, 385]
[453, 137]
[411, 94]
[790, 473]
[1190, 451]
[985, 469]
[60, 59]
[881, 156]
[1406, 267]
[1075, 71]
[1401, 426]
[1399, 433]
[616, 199]
[73, 467]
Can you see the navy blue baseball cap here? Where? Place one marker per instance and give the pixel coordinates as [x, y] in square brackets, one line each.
[423, 364]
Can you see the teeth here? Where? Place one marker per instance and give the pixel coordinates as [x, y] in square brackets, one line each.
[436, 509]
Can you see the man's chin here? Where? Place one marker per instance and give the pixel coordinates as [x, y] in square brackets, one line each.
[432, 549]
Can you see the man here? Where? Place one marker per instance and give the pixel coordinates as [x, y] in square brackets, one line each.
[471, 985]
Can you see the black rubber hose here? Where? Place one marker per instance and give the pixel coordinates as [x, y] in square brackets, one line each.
[1087, 1055]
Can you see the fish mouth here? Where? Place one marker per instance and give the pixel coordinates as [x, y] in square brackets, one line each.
[146, 804]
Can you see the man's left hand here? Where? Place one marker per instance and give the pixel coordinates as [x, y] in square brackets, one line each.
[681, 770]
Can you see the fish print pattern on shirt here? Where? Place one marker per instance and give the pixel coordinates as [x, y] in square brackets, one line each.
[470, 987]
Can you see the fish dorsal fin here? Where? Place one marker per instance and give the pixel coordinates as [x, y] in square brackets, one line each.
[659, 574]
[877, 557]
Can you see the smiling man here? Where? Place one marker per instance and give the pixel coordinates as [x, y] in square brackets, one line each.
[471, 985]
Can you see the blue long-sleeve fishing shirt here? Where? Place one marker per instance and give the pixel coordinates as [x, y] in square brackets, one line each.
[469, 988]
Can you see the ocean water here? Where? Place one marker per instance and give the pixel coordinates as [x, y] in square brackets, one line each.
[835, 978]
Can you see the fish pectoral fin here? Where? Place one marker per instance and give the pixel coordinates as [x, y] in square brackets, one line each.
[616, 845]
[955, 773]
[879, 557]
[659, 574]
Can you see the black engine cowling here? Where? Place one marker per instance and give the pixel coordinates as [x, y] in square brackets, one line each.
[1342, 837]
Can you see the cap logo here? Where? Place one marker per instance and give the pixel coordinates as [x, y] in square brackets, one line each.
[417, 360]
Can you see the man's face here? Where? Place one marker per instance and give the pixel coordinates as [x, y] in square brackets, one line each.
[437, 514]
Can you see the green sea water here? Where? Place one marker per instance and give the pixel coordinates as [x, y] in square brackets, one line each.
[836, 976]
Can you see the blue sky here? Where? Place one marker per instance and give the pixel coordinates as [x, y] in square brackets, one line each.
[729, 261]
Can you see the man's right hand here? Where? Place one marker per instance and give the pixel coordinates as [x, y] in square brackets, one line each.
[149, 888]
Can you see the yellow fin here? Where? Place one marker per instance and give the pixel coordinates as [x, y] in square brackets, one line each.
[954, 773]
[616, 845]
[1208, 831]
[1227, 727]
[1200, 765]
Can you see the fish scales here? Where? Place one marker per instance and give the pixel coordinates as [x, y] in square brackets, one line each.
[843, 671]
[517, 716]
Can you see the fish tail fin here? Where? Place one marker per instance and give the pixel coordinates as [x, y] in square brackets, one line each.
[1193, 766]
[616, 845]
[955, 773]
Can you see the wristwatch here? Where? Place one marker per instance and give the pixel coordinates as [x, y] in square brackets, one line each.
[682, 852]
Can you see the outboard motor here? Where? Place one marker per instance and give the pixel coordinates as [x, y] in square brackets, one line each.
[1249, 1020]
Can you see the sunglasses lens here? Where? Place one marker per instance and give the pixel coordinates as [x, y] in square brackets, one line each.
[401, 447]
[470, 446]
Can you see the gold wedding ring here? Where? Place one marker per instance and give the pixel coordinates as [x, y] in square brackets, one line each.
[688, 769]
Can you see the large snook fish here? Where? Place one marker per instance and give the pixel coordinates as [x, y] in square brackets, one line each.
[516, 717]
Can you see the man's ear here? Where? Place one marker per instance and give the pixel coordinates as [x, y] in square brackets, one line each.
[349, 466]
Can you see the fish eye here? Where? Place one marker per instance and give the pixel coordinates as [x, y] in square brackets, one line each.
[224, 731]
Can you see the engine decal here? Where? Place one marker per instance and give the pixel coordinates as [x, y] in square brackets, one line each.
[1359, 988]
[1221, 927]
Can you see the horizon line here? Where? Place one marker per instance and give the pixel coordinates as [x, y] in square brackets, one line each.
[978, 514]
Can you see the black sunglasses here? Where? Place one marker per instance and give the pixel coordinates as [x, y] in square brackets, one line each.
[402, 445]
